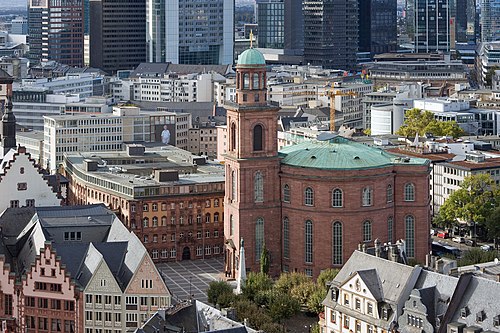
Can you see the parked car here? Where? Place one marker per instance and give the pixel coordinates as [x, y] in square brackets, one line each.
[443, 234]
[458, 240]
[487, 247]
[470, 242]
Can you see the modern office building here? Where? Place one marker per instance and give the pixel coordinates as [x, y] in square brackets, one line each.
[117, 34]
[490, 24]
[190, 32]
[271, 22]
[331, 33]
[431, 25]
[55, 31]
[19, 26]
[294, 26]
[109, 132]
[466, 21]
[377, 26]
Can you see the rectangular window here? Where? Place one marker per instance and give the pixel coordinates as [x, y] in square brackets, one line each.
[333, 317]
[346, 321]
[357, 304]
[22, 186]
[346, 299]
[369, 308]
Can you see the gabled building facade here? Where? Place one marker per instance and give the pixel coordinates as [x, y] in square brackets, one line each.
[78, 270]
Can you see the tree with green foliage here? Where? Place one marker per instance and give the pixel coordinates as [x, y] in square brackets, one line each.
[315, 300]
[287, 281]
[281, 306]
[421, 122]
[492, 223]
[219, 293]
[474, 202]
[264, 260]
[326, 276]
[476, 256]
[255, 283]
[302, 292]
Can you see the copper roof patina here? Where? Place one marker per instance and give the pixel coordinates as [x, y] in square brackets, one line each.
[339, 153]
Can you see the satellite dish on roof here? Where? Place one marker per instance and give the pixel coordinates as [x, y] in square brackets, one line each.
[325, 136]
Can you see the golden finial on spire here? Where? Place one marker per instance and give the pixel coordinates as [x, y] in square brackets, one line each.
[251, 38]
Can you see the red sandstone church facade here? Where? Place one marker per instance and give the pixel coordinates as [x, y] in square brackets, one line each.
[312, 204]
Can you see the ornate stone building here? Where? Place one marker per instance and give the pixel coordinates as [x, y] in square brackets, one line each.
[313, 203]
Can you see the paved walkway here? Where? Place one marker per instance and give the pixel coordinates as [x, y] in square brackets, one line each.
[191, 277]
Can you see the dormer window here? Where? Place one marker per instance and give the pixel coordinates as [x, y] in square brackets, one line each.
[496, 320]
[385, 313]
[480, 316]
[464, 312]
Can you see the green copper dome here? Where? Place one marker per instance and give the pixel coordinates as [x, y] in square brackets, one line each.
[251, 57]
[341, 154]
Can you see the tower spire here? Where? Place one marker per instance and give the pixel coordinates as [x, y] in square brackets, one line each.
[8, 128]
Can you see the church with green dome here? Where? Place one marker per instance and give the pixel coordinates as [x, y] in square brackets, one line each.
[314, 203]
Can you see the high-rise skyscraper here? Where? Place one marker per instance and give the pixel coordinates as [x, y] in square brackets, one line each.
[377, 26]
[331, 33]
[490, 20]
[431, 24]
[117, 34]
[190, 32]
[55, 31]
[465, 21]
[271, 22]
[294, 26]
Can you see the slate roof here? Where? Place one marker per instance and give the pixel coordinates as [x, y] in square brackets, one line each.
[370, 278]
[110, 240]
[393, 276]
[4, 76]
[341, 154]
[12, 223]
[480, 295]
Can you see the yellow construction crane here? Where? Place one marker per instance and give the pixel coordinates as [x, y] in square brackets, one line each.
[332, 93]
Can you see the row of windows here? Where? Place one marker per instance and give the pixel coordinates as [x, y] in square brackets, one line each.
[181, 236]
[164, 205]
[337, 237]
[154, 220]
[337, 198]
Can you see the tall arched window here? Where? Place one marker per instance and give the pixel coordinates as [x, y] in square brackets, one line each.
[367, 231]
[232, 143]
[286, 238]
[257, 138]
[389, 193]
[337, 198]
[409, 192]
[309, 197]
[145, 222]
[231, 225]
[255, 81]
[390, 229]
[309, 242]
[258, 187]
[337, 243]
[233, 185]
[259, 237]
[246, 80]
[367, 196]
[286, 193]
[410, 236]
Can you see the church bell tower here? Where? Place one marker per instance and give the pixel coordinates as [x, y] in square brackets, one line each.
[252, 209]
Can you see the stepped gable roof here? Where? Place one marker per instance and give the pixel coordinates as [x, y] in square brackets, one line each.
[339, 153]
